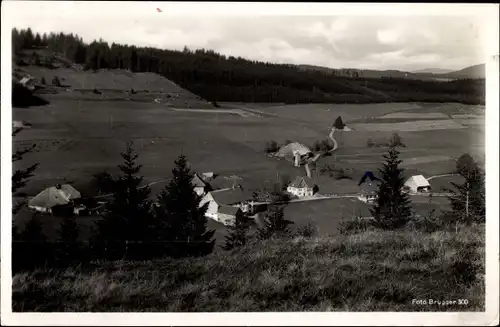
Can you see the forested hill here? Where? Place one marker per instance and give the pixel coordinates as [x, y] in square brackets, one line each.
[217, 77]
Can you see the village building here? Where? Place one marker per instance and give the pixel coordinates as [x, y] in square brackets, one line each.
[418, 184]
[200, 186]
[235, 197]
[368, 192]
[28, 82]
[302, 186]
[57, 199]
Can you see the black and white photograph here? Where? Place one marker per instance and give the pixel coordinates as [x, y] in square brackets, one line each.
[300, 160]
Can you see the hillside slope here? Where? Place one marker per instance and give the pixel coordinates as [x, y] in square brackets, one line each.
[366, 271]
[217, 77]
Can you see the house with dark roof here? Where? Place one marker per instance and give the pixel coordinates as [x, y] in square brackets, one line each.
[235, 197]
[302, 186]
[368, 191]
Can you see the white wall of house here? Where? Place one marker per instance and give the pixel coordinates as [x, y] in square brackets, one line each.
[41, 209]
[199, 190]
[367, 198]
[302, 191]
[213, 207]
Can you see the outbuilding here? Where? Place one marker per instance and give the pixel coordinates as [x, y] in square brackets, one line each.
[418, 184]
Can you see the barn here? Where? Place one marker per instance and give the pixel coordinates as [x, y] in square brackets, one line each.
[418, 184]
[235, 197]
[54, 198]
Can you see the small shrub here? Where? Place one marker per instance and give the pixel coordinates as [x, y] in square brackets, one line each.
[396, 140]
[370, 143]
[56, 81]
[307, 230]
[271, 147]
[354, 226]
[341, 174]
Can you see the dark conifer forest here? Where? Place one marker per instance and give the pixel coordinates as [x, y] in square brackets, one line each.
[217, 77]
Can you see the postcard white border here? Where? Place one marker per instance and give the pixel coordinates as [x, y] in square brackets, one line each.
[490, 317]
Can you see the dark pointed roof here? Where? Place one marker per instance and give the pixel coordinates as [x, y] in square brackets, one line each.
[302, 181]
[197, 181]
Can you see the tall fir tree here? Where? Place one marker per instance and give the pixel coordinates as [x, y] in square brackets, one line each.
[33, 250]
[275, 223]
[68, 247]
[237, 232]
[392, 208]
[127, 225]
[181, 219]
[468, 200]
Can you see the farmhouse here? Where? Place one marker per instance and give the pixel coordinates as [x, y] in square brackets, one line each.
[368, 192]
[301, 186]
[294, 151]
[57, 198]
[235, 197]
[418, 184]
[28, 82]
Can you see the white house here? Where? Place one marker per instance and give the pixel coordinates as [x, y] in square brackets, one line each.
[301, 186]
[418, 184]
[368, 192]
[59, 195]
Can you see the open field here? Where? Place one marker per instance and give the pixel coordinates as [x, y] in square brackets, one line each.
[76, 139]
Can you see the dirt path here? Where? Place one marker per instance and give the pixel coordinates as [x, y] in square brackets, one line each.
[443, 175]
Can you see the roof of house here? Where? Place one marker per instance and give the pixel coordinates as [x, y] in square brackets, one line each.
[289, 150]
[25, 80]
[228, 210]
[418, 180]
[52, 196]
[369, 188]
[231, 196]
[302, 181]
[197, 181]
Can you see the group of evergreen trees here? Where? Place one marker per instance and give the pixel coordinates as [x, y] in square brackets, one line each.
[132, 227]
[217, 77]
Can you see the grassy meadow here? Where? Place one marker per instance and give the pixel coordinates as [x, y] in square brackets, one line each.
[370, 270]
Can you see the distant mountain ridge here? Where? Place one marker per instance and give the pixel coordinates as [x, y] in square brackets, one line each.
[432, 71]
[474, 72]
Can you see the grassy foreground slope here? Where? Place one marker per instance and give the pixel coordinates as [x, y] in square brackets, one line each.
[366, 271]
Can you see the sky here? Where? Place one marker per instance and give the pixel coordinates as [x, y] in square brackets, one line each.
[362, 38]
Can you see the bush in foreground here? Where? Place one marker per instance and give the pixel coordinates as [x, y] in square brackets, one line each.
[366, 271]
